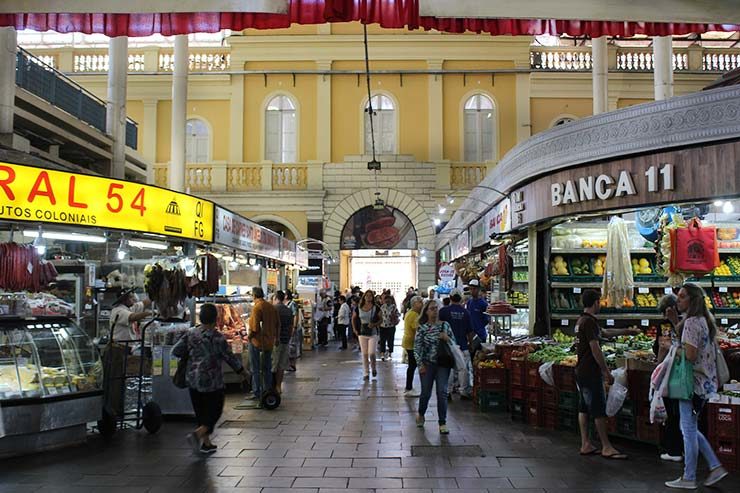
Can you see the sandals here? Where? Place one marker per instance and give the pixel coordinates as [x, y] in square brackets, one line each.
[595, 451]
[617, 456]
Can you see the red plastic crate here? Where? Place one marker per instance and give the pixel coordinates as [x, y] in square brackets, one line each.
[517, 372]
[534, 410]
[549, 418]
[517, 394]
[494, 379]
[550, 397]
[724, 420]
[727, 452]
[532, 377]
[565, 378]
[647, 432]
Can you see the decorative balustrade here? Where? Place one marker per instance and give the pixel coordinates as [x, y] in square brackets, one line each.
[210, 61]
[641, 60]
[198, 178]
[560, 59]
[99, 62]
[161, 176]
[289, 177]
[720, 61]
[243, 177]
[467, 175]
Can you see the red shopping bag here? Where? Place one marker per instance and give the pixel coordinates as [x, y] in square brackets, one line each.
[694, 249]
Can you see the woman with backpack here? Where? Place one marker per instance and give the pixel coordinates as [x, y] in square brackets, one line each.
[365, 324]
[390, 316]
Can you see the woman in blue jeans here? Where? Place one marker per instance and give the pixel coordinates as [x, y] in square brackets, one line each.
[698, 332]
[427, 338]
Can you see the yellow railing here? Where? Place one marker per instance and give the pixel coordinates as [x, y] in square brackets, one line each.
[289, 176]
[467, 175]
[243, 177]
[219, 176]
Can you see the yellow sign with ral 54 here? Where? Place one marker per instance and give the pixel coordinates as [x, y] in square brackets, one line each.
[43, 195]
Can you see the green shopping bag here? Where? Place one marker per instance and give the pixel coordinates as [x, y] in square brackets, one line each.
[681, 380]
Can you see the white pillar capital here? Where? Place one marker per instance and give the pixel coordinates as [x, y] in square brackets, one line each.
[179, 113]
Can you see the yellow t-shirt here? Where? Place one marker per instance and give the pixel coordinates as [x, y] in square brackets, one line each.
[410, 324]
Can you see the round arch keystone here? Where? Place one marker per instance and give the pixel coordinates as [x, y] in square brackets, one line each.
[397, 199]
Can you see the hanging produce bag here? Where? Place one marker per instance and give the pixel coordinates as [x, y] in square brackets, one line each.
[618, 283]
[694, 248]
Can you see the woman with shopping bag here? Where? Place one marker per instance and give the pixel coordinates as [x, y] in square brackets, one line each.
[693, 378]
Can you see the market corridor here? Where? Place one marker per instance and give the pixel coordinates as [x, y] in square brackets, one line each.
[336, 434]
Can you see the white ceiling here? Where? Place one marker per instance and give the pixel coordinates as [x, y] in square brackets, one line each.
[141, 6]
[691, 11]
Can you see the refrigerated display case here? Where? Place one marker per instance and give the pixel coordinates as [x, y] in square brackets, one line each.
[50, 383]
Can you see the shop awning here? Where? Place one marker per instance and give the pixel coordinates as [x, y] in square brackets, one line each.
[386, 13]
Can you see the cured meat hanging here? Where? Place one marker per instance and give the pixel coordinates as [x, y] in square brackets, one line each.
[23, 269]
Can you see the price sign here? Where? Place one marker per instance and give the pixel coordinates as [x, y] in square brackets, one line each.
[645, 323]
[668, 290]
[724, 321]
[723, 289]
[564, 322]
[643, 290]
[577, 290]
[610, 322]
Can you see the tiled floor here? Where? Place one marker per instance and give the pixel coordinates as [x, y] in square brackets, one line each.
[341, 444]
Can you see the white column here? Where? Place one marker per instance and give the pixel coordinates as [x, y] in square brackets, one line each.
[323, 113]
[179, 103]
[8, 47]
[436, 121]
[149, 131]
[600, 73]
[236, 116]
[523, 109]
[663, 67]
[115, 123]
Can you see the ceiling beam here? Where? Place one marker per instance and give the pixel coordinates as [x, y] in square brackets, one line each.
[140, 6]
[689, 11]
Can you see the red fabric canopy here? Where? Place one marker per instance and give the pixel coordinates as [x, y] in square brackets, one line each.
[387, 13]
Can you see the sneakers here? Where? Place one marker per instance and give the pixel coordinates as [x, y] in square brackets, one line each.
[382, 357]
[411, 393]
[375, 373]
[681, 484]
[716, 476]
[420, 421]
[194, 442]
[205, 449]
[671, 458]
[443, 430]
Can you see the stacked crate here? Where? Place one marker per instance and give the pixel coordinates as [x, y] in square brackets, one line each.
[517, 391]
[533, 384]
[491, 386]
[638, 382]
[568, 398]
[724, 433]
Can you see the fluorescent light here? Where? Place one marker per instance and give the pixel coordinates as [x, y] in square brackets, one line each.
[423, 259]
[437, 221]
[441, 209]
[719, 203]
[52, 235]
[152, 245]
[728, 208]
[450, 199]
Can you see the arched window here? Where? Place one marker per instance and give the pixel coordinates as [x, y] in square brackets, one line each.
[479, 121]
[280, 130]
[384, 123]
[563, 121]
[197, 141]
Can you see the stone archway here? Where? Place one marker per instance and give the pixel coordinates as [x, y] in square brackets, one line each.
[259, 218]
[350, 204]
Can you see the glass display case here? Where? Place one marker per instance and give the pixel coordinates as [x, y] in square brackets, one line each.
[233, 314]
[51, 379]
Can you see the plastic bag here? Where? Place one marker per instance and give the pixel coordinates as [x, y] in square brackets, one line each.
[459, 358]
[620, 377]
[723, 372]
[659, 388]
[546, 373]
[617, 395]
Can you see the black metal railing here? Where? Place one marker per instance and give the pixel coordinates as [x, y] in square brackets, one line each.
[38, 78]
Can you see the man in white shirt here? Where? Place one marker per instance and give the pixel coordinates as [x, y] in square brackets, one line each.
[126, 312]
[343, 320]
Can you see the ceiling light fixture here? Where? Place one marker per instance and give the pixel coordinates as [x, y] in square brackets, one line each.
[719, 203]
[441, 209]
[437, 221]
[55, 235]
[728, 208]
[39, 243]
[151, 245]
[122, 249]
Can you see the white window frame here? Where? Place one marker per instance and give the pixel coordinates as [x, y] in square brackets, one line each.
[365, 132]
[208, 140]
[282, 158]
[494, 131]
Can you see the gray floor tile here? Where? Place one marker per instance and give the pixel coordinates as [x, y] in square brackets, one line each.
[321, 483]
[300, 472]
[350, 472]
[430, 483]
[247, 471]
[375, 483]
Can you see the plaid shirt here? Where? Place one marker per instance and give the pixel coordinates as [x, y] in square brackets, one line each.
[206, 349]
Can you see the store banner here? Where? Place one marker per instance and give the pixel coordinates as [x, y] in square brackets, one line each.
[236, 231]
[315, 267]
[478, 233]
[498, 219]
[444, 254]
[460, 245]
[301, 257]
[384, 228]
[50, 196]
[287, 250]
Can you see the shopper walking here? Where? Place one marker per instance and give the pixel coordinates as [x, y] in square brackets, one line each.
[477, 307]
[390, 316]
[459, 319]
[263, 329]
[671, 439]
[344, 317]
[698, 346]
[426, 342]
[336, 305]
[591, 372]
[281, 358]
[410, 325]
[323, 317]
[366, 322]
[206, 350]
[297, 340]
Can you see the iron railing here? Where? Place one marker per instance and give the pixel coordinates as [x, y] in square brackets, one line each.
[42, 80]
